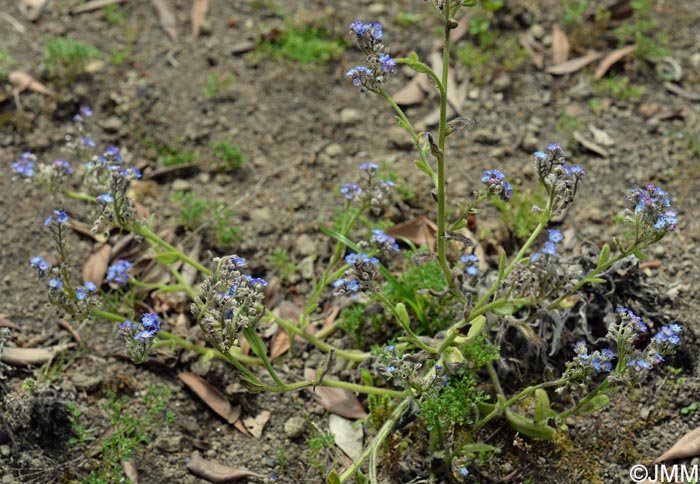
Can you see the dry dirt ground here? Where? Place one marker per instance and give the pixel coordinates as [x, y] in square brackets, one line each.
[305, 129]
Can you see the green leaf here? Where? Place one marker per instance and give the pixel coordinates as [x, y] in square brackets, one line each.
[595, 280]
[402, 315]
[333, 478]
[639, 254]
[413, 57]
[169, 257]
[256, 343]
[542, 408]
[505, 308]
[502, 264]
[593, 405]
[476, 448]
[604, 255]
[528, 427]
[476, 327]
[424, 167]
[360, 478]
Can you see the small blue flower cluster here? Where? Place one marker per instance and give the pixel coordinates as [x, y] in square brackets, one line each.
[379, 64]
[84, 111]
[559, 178]
[143, 332]
[228, 302]
[472, 262]
[118, 272]
[139, 337]
[600, 361]
[550, 247]
[25, 167]
[496, 183]
[372, 191]
[61, 217]
[652, 208]
[359, 277]
[40, 264]
[82, 293]
[384, 241]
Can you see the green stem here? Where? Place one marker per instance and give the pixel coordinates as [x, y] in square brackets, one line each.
[295, 330]
[146, 233]
[78, 195]
[162, 288]
[441, 218]
[384, 431]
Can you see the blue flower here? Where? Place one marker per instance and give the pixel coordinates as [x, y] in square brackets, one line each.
[370, 167]
[105, 198]
[639, 364]
[496, 184]
[90, 286]
[386, 241]
[549, 248]
[631, 318]
[61, 216]
[80, 293]
[541, 156]
[64, 165]
[85, 110]
[56, 284]
[358, 74]
[555, 236]
[553, 147]
[350, 285]
[237, 261]
[256, 281]
[669, 334]
[471, 260]
[535, 257]
[117, 272]
[350, 190]
[39, 263]
[360, 28]
[25, 167]
[390, 348]
[463, 471]
[388, 64]
[151, 322]
[126, 326]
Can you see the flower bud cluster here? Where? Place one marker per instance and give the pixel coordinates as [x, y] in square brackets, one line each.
[107, 177]
[228, 301]
[497, 185]
[652, 211]
[370, 191]
[138, 336]
[560, 179]
[379, 63]
[77, 301]
[52, 175]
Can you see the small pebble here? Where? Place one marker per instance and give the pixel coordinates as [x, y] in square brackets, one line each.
[295, 427]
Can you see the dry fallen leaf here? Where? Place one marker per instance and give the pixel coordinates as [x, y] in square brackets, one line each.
[347, 435]
[255, 425]
[30, 356]
[166, 17]
[130, 470]
[412, 93]
[280, 343]
[23, 81]
[687, 446]
[560, 45]
[212, 471]
[590, 145]
[574, 64]
[610, 59]
[336, 400]
[216, 400]
[95, 265]
[678, 90]
[93, 5]
[421, 231]
[199, 13]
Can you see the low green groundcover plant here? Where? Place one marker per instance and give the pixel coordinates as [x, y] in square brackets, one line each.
[443, 317]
